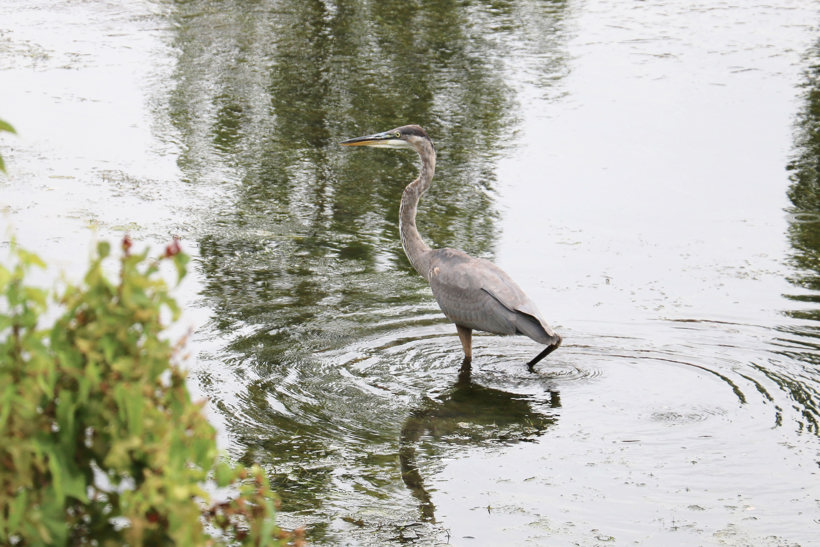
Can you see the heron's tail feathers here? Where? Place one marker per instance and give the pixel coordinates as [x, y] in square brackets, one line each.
[536, 328]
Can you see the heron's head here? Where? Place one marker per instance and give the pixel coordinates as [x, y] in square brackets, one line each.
[408, 136]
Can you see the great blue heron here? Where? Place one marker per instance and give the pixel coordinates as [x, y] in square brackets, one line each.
[473, 293]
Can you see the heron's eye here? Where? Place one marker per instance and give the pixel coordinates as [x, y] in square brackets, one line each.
[397, 135]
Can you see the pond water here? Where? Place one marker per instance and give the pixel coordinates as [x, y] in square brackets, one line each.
[647, 172]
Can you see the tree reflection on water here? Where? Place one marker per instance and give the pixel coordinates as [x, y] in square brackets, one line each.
[800, 341]
[804, 193]
[300, 250]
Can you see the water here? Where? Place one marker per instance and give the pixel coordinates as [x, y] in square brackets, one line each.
[647, 172]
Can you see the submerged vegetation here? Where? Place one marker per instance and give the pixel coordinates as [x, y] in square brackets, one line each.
[102, 442]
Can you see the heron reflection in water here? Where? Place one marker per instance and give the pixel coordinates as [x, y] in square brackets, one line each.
[473, 415]
[473, 293]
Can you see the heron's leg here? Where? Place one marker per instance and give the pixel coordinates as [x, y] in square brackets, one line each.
[549, 349]
[466, 337]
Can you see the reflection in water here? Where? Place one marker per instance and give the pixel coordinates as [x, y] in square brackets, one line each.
[300, 250]
[799, 342]
[331, 338]
[804, 194]
[273, 87]
[323, 341]
[467, 414]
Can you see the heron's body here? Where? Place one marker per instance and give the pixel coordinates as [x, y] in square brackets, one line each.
[476, 294]
[473, 293]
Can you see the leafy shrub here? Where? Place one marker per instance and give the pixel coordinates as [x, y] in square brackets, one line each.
[101, 441]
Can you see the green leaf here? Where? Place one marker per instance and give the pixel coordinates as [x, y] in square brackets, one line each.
[181, 263]
[17, 509]
[56, 469]
[5, 126]
[54, 529]
[224, 474]
[5, 405]
[68, 481]
[5, 277]
[268, 525]
[103, 249]
[38, 296]
[30, 259]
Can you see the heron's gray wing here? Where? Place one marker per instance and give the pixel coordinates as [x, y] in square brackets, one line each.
[476, 293]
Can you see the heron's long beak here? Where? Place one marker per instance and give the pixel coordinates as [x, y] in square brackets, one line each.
[386, 139]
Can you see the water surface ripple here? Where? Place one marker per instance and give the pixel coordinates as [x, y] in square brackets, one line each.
[646, 171]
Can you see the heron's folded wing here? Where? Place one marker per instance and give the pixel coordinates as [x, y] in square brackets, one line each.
[460, 284]
[476, 293]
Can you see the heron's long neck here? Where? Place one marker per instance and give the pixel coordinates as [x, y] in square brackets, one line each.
[414, 247]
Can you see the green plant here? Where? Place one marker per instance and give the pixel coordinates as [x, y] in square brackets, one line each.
[5, 126]
[101, 441]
